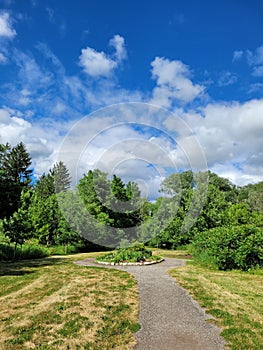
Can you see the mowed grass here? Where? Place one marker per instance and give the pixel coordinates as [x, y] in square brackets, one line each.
[52, 303]
[175, 254]
[234, 298]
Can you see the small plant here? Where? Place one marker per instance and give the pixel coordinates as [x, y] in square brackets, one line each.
[135, 253]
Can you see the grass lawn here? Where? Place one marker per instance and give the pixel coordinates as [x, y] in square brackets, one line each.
[175, 254]
[235, 298]
[52, 303]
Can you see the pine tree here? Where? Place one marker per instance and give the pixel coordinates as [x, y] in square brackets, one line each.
[15, 175]
[61, 177]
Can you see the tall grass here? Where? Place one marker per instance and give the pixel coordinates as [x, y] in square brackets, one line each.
[27, 251]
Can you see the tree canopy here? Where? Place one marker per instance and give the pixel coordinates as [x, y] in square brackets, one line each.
[201, 209]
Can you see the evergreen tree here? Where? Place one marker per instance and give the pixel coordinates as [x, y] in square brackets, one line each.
[15, 175]
[49, 222]
[61, 177]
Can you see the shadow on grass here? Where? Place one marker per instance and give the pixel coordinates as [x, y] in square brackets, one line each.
[25, 267]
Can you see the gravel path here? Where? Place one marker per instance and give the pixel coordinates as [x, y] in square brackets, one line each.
[170, 319]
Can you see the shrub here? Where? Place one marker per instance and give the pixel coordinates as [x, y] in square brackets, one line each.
[33, 252]
[28, 251]
[236, 247]
[134, 253]
[6, 252]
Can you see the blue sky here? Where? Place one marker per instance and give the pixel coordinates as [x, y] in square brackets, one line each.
[200, 60]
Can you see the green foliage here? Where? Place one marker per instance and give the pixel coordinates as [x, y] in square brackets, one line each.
[50, 226]
[15, 176]
[234, 247]
[135, 253]
[28, 251]
[18, 228]
[63, 250]
[111, 202]
[199, 207]
[61, 177]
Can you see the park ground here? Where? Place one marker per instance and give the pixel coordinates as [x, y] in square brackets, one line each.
[52, 303]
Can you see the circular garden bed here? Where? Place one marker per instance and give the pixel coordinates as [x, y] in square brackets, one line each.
[136, 254]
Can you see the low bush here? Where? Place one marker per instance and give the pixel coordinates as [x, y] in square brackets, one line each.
[27, 251]
[63, 249]
[33, 252]
[135, 253]
[236, 247]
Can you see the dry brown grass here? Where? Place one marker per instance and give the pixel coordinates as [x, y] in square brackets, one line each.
[176, 254]
[55, 304]
[234, 298]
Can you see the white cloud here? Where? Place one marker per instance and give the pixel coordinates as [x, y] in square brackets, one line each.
[3, 58]
[12, 127]
[6, 29]
[255, 88]
[42, 138]
[96, 63]
[227, 78]
[253, 58]
[173, 83]
[231, 133]
[118, 43]
[99, 64]
[32, 76]
[238, 176]
[256, 57]
[258, 71]
[237, 55]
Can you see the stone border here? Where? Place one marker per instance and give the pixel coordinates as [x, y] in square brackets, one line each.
[129, 263]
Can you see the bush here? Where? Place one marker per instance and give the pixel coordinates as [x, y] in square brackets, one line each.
[33, 252]
[63, 249]
[135, 253]
[236, 247]
[6, 252]
[28, 251]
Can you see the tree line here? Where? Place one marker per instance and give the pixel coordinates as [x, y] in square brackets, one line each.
[222, 222]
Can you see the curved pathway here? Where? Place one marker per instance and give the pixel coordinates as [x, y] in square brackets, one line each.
[170, 319]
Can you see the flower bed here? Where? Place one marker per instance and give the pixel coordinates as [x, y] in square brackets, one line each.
[134, 255]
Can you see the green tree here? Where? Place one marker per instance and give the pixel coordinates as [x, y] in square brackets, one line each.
[61, 177]
[253, 196]
[15, 175]
[224, 185]
[49, 223]
[18, 227]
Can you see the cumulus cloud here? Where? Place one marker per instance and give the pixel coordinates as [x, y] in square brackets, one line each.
[12, 127]
[231, 134]
[96, 63]
[99, 64]
[173, 83]
[118, 43]
[42, 138]
[6, 30]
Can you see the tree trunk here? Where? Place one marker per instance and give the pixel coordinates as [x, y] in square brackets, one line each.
[14, 257]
